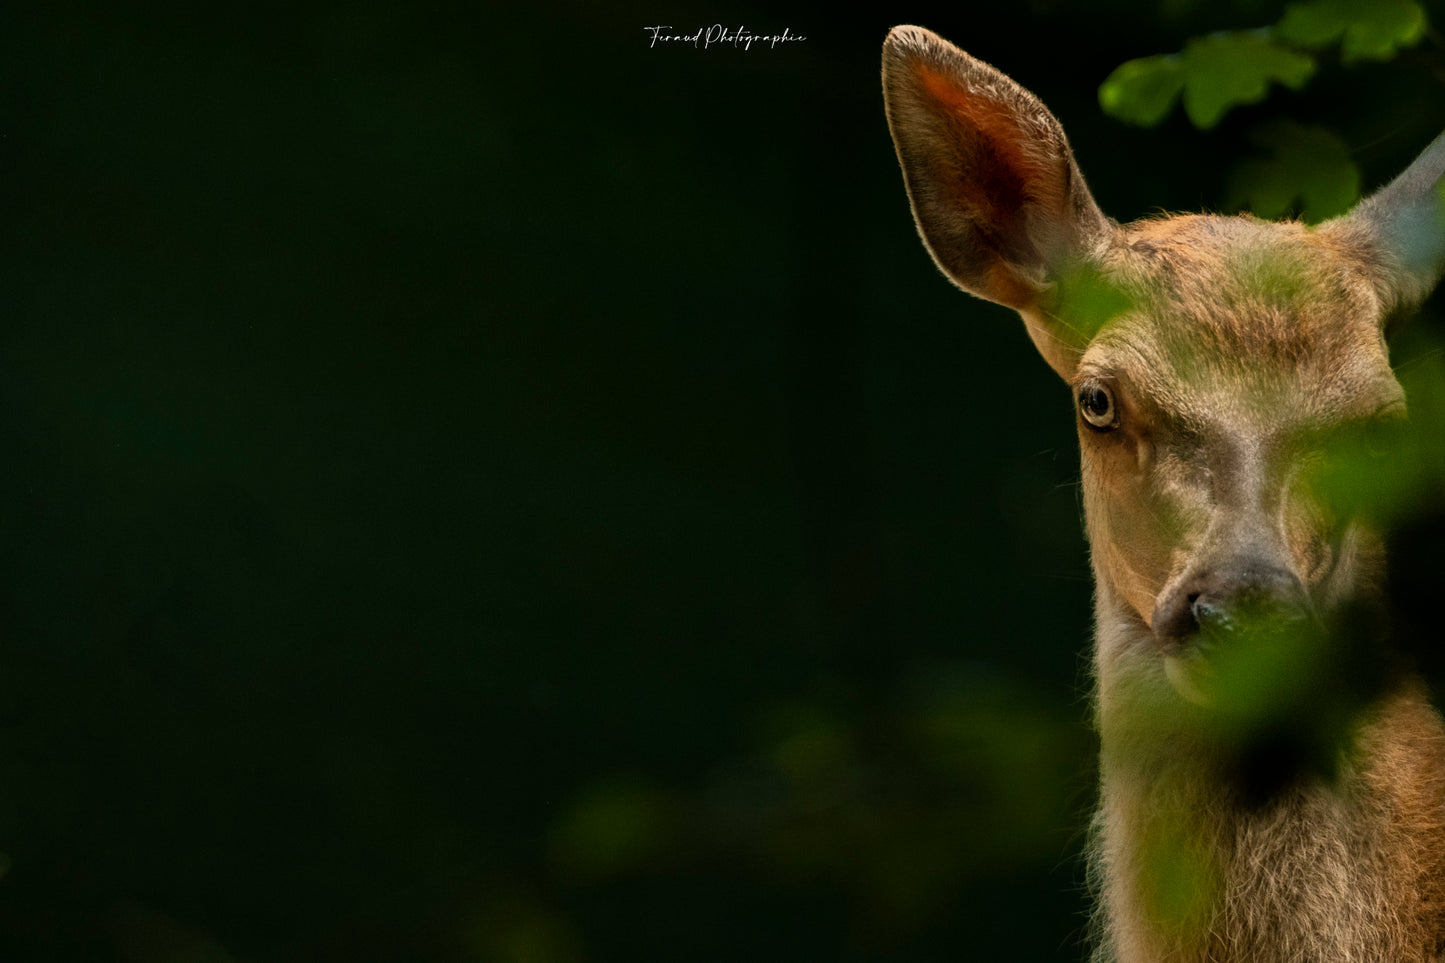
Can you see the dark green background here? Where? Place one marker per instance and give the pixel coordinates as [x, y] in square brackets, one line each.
[479, 488]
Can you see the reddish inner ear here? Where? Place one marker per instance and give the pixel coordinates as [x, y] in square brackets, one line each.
[994, 169]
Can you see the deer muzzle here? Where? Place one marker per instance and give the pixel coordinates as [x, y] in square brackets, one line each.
[1236, 623]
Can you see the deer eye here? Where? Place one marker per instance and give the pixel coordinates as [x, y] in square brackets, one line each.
[1096, 404]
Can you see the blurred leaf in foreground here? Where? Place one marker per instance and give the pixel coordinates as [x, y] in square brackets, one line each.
[1393, 471]
[1214, 73]
[1307, 170]
[1143, 91]
[614, 827]
[1225, 70]
[1366, 29]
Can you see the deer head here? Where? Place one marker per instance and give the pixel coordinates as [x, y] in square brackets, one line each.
[1218, 366]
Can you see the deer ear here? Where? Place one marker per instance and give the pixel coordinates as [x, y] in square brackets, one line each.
[1403, 225]
[996, 194]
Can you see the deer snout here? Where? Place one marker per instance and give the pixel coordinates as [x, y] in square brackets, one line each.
[1247, 619]
[1230, 600]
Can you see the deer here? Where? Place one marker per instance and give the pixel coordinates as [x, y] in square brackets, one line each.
[1271, 771]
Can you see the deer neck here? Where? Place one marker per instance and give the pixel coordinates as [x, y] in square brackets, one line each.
[1345, 867]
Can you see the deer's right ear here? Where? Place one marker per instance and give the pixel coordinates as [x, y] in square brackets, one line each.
[1404, 223]
[997, 196]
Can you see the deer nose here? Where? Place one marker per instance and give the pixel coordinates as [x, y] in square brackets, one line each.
[1230, 600]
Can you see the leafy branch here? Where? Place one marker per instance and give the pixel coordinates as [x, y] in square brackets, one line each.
[1306, 167]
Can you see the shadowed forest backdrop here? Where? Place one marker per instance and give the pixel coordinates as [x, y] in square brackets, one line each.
[479, 487]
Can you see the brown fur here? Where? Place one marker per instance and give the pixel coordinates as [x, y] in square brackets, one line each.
[1231, 351]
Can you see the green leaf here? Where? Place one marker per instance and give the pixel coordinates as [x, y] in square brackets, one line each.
[1366, 29]
[1213, 74]
[1143, 91]
[1087, 301]
[1308, 165]
[1224, 70]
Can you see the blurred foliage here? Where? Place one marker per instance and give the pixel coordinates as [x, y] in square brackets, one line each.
[461, 508]
[1214, 74]
[1085, 301]
[1392, 470]
[1223, 70]
[886, 808]
[1181, 879]
[1308, 170]
[516, 928]
[615, 826]
[1373, 30]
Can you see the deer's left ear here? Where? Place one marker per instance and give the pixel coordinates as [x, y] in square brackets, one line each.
[995, 191]
[1403, 225]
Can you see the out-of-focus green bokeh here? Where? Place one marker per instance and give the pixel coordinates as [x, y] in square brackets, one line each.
[481, 487]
